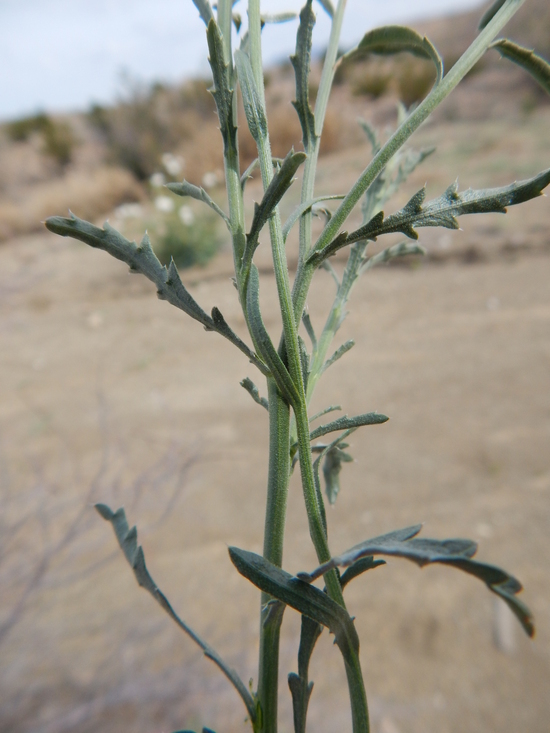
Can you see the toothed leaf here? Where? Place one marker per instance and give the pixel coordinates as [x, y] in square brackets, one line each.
[440, 212]
[127, 539]
[457, 553]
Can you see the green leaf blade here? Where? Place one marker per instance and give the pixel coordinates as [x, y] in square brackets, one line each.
[534, 64]
[393, 39]
[301, 61]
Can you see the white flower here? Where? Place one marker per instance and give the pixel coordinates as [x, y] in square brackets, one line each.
[164, 204]
[157, 180]
[129, 211]
[173, 164]
[209, 180]
[186, 215]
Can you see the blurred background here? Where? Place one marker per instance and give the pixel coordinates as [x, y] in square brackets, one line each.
[109, 395]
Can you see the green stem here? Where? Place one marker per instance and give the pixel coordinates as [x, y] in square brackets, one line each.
[470, 57]
[275, 515]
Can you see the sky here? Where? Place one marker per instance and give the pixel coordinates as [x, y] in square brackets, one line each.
[64, 55]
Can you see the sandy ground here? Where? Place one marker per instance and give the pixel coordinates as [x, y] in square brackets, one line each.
[109, 394]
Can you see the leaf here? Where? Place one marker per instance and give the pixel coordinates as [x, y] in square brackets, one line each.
[386, 255]
[535, 65]
[304, 360]
[317, 415]
[440, 212]
[252, 390]
[277, 17]
[188, 189]
[338, 354]
[332, 465]
[393, 39]
[205, 10]
[263, 342]
[299, 684]
[454, 552]
[127, 539]
[305, 598]
[141, 258]
[347, 423]
[306, 320]
[282, 180]
[222, 90]
[301, 61]
[252, 101]
[301, 209]
[358, 568]
[327, 6]
[490, 13]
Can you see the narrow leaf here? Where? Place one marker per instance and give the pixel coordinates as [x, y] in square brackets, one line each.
[301, 61]
[305, 598]
[538, 67]
[390, 253]
[317, 415]
[299, 684]
[142, 259]
[263, 342]
[338, 354]
[277, 17]
[454, 552]
[282, 180]
[252, 390]
[301, 209]
[127, 539]
[490, 13]
[188, 189]
[358, 568]
[346, 423]
[205, 10]
[393, 39]
[306, 320]
[327, 6]
[252, 101]
[222, 90]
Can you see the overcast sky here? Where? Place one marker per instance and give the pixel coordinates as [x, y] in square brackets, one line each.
[62, 55]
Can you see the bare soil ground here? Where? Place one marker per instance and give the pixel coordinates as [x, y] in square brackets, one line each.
[110, 395]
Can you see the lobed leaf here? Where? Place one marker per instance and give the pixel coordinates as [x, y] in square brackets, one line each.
[358, 568]
[454, 552]
[393, 39]
[440, 212]
[127, 539]
[141, 258]
[535, 65]
[188, 189]
[301, 61]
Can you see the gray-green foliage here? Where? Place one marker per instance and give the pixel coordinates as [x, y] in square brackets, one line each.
[291, 368]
